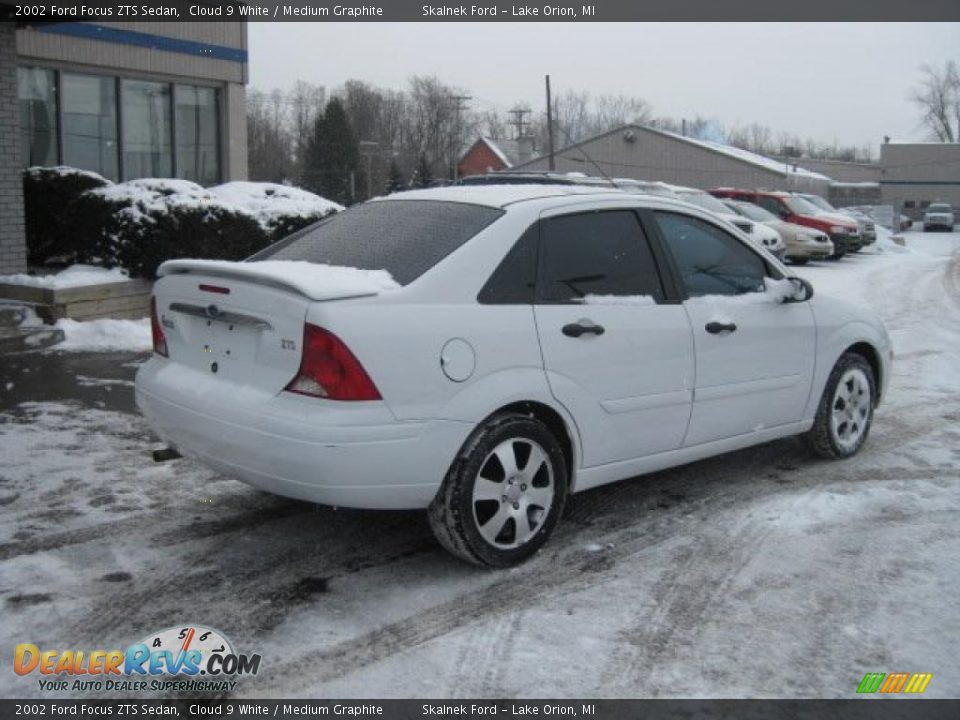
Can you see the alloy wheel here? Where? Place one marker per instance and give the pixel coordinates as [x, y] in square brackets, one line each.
[513, 493]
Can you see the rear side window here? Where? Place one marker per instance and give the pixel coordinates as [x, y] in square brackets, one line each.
[404, 237]
[710, 260]
[600, 253]
[514, 280]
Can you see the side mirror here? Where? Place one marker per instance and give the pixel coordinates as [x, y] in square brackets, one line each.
[802, 290]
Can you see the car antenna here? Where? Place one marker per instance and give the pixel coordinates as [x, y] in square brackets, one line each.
[587, 156]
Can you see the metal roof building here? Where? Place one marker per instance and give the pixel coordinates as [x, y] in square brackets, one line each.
[645, 153]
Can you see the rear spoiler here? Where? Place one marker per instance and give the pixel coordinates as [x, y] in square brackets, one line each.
[312, 280]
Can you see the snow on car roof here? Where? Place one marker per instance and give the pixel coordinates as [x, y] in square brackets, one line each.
[499, 195]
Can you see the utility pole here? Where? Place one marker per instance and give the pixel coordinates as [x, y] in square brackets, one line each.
[518, 121]
[370, 146]
[460, 100]
[551, 165]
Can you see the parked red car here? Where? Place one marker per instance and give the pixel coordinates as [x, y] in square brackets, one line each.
[843, 231]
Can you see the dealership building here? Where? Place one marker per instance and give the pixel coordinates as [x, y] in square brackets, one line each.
[646, 153]
[122, 99]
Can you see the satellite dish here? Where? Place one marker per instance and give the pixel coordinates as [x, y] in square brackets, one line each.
[630, 136]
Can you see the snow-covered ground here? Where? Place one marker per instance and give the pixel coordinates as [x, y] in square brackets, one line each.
[762, 573]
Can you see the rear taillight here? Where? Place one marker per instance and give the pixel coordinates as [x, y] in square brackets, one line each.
[329, 370]
[156, 329]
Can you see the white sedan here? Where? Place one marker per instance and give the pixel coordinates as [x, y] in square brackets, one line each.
[483, 352]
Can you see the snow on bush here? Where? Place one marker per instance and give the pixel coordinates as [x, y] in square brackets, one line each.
[140, 223]
[271, 204]
[73, 276]
[104, 335]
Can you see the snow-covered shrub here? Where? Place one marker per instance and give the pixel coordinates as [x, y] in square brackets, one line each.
[155, 220]
[279, 209]
[140, 223]
[49, 197]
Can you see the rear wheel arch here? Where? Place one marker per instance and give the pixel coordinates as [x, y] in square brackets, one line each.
[555, 423]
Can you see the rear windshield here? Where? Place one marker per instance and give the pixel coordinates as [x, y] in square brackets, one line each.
[404, 237]
[938, 207]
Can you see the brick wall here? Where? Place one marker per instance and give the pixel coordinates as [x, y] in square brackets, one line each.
[13, 251]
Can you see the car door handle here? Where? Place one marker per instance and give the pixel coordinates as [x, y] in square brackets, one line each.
[716, 328]
[584, 326]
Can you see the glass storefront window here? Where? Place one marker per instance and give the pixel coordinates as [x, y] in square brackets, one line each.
[198, 152]
[147, 129]
[89, 110]
[153, 129]
[37, 95]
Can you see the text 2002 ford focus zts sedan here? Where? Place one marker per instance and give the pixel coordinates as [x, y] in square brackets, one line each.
[483, 352]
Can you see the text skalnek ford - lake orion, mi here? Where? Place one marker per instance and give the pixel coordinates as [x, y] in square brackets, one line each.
[512, 11]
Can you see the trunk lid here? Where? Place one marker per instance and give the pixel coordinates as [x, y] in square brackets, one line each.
[244, 322]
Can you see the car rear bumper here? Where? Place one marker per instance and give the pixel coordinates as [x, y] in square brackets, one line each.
[293, 446]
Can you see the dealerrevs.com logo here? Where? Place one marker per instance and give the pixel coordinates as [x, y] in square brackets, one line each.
[186, 658]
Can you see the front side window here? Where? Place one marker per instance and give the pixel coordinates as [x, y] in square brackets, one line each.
[404, 237]
[710, 261]
[600, 254]
[90, 123]
[198, 151]
[147, 129]
[37, 98]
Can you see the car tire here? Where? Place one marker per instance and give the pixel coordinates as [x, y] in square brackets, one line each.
[499, 513]
[846, 409]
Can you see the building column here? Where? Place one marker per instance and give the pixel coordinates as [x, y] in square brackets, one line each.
[234, 130]
[13, 245]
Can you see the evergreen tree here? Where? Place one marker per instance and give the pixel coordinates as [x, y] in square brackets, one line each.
[423, 175]
[395, 178]
[332, 153]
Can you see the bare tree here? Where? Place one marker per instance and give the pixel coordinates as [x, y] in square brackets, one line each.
[306, 101]
[492, 124]
[938, 97]
[610, 111]
[269, 143]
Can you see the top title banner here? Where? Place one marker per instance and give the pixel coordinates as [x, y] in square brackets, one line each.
[486, 11]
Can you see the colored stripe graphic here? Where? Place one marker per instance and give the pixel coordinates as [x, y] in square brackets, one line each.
[871, 682]
[894, 683]
[918, 682]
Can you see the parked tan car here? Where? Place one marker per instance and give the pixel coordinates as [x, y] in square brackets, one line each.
[803, 243]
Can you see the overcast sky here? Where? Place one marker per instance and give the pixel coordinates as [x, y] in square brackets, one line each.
[829, 81]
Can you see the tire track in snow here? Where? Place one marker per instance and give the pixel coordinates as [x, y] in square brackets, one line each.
[563, 568]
